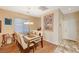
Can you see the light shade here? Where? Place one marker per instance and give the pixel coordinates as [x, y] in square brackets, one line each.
[29, 23]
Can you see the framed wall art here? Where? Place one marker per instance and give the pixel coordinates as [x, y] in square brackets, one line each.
[48, 22]
[8, 21]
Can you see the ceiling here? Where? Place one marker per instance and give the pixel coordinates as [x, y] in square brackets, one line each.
[37, 11]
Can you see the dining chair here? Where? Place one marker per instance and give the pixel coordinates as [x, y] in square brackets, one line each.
[23, 45]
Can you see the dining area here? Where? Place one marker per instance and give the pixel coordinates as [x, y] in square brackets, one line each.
[25, 43]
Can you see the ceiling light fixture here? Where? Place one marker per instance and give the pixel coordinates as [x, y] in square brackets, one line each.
[43, 8]
[29, 23]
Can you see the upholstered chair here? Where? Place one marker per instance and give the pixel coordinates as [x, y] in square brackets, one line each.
[23, 45]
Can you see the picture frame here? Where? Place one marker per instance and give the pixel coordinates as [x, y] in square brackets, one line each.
[8, 21]
[48, 22]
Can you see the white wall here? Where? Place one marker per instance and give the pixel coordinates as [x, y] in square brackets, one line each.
[53, 36]
[69, 28]
[64, 27]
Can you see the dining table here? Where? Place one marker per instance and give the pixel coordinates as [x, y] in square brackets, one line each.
[34, 38]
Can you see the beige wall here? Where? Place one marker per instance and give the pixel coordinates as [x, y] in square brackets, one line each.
[76, 14]
[37, 24]
[72, 28]
[69, 27]
[13, 15]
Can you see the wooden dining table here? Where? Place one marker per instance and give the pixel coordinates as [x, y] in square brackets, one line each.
[32, 38]
[25, 41]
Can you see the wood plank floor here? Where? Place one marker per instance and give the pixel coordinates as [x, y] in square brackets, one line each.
[48, 48]
[12, 48]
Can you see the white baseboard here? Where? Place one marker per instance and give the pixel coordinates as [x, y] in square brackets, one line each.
[52, 42]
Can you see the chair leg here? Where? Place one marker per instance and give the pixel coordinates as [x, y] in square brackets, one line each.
[33, 49]
[36, 46]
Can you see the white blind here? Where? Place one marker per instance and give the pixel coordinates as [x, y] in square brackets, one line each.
[20, 26]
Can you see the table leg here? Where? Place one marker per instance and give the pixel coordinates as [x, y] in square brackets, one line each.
[42, 41]
[28, 45]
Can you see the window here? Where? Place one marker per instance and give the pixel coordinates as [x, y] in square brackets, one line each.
[20, 26]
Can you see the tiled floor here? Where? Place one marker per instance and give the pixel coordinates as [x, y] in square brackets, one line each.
[68, 46]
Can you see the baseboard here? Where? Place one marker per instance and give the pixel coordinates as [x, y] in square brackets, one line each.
[51, 42]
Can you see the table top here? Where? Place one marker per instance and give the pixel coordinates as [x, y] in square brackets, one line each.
[31, 37]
